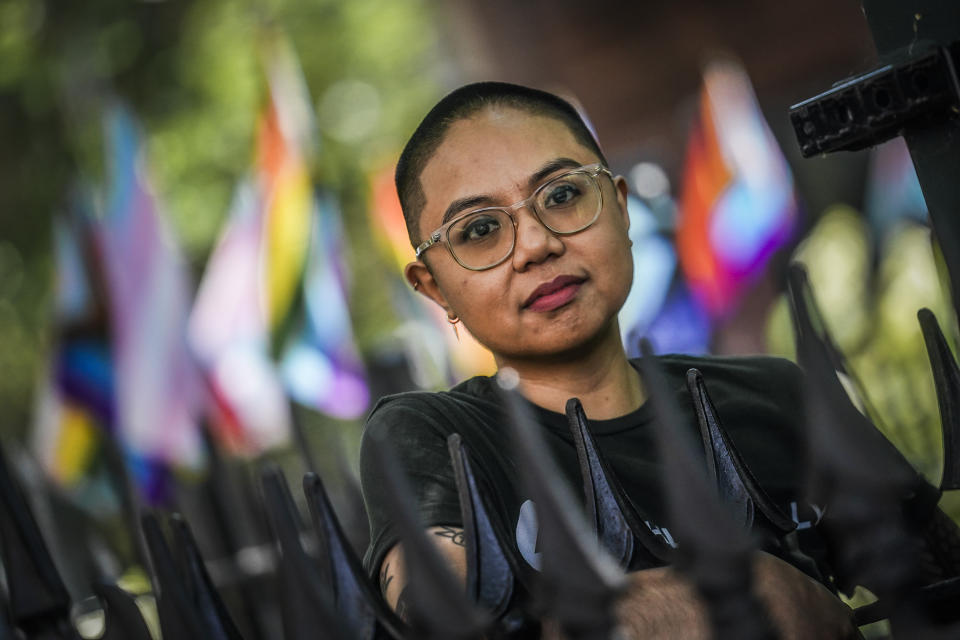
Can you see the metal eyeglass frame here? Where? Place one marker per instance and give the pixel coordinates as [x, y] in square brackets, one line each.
[592, 171]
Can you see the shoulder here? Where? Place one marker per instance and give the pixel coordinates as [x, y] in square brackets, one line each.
[748, 392]
[428, 411]
[759, 401]
[762, 374]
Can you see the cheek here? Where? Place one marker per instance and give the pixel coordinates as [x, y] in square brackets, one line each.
[626, 276]
[473, 296]
[620, 266]
[614, 251]
[614, 268]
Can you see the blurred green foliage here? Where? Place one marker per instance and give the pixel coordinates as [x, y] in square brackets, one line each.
[869, 291]
[193, 73]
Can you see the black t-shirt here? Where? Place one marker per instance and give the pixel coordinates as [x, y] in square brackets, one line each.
[758, 401]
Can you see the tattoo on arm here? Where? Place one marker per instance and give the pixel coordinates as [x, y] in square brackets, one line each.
[385, 578]
[454, 535]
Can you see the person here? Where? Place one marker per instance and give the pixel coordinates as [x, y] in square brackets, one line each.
[520, 232]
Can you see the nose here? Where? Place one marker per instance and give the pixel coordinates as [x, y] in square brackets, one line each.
[535, 243]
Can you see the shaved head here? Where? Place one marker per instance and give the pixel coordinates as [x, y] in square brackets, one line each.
[460, 105]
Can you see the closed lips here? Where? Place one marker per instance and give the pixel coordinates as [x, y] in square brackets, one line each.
[553, 286]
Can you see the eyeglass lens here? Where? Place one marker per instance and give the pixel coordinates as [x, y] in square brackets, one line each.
[568, 204]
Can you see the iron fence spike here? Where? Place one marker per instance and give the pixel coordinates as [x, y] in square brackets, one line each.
[354, 521]
[739, 488]
[122, 618]
[579, 582]
[622, 530]
[438, 605]
[357, 601]
[37, 596]
[714, 550]
[946, 377]
[857, 444]
[492, 566]
[307, 603]
[205, 597]
[737, 485]
[862, 481]
[178, 617]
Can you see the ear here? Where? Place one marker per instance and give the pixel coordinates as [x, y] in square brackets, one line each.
[620, 186]
[421, 279]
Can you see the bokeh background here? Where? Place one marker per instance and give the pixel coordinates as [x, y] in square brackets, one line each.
[200, 246]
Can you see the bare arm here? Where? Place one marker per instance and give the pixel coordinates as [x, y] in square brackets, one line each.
[393, 576]
[660, 604]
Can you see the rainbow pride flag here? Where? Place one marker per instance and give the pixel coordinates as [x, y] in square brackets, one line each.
[275, 279]
[285, 143]
[737, 204]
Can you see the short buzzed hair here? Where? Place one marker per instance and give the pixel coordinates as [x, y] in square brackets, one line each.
[463, 103]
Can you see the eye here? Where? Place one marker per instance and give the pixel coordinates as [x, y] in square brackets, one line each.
[477, 229]
[561, 195]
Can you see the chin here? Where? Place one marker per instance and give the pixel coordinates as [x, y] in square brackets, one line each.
[563, 343]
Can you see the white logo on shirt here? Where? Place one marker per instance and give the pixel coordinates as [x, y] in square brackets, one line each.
[805, 524]
[528, 532]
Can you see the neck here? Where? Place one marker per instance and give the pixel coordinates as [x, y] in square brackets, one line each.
[600, 375]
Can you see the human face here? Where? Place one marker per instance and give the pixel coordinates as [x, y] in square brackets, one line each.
[480, 239]
[554, 293]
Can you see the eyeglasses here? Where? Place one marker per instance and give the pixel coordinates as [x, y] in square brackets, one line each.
[483, 238]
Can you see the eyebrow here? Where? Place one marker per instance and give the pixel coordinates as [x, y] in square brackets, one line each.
[557, 163]
[461, 204]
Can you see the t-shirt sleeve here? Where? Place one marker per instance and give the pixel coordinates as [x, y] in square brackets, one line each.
[415, 431]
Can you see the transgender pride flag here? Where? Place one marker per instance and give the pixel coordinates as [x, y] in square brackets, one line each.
[228, 332]
[156, 385]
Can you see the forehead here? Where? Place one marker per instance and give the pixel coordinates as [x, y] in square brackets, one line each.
[493, 153]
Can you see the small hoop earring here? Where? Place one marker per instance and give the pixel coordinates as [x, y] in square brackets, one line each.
[416, 286]
[454, 320]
